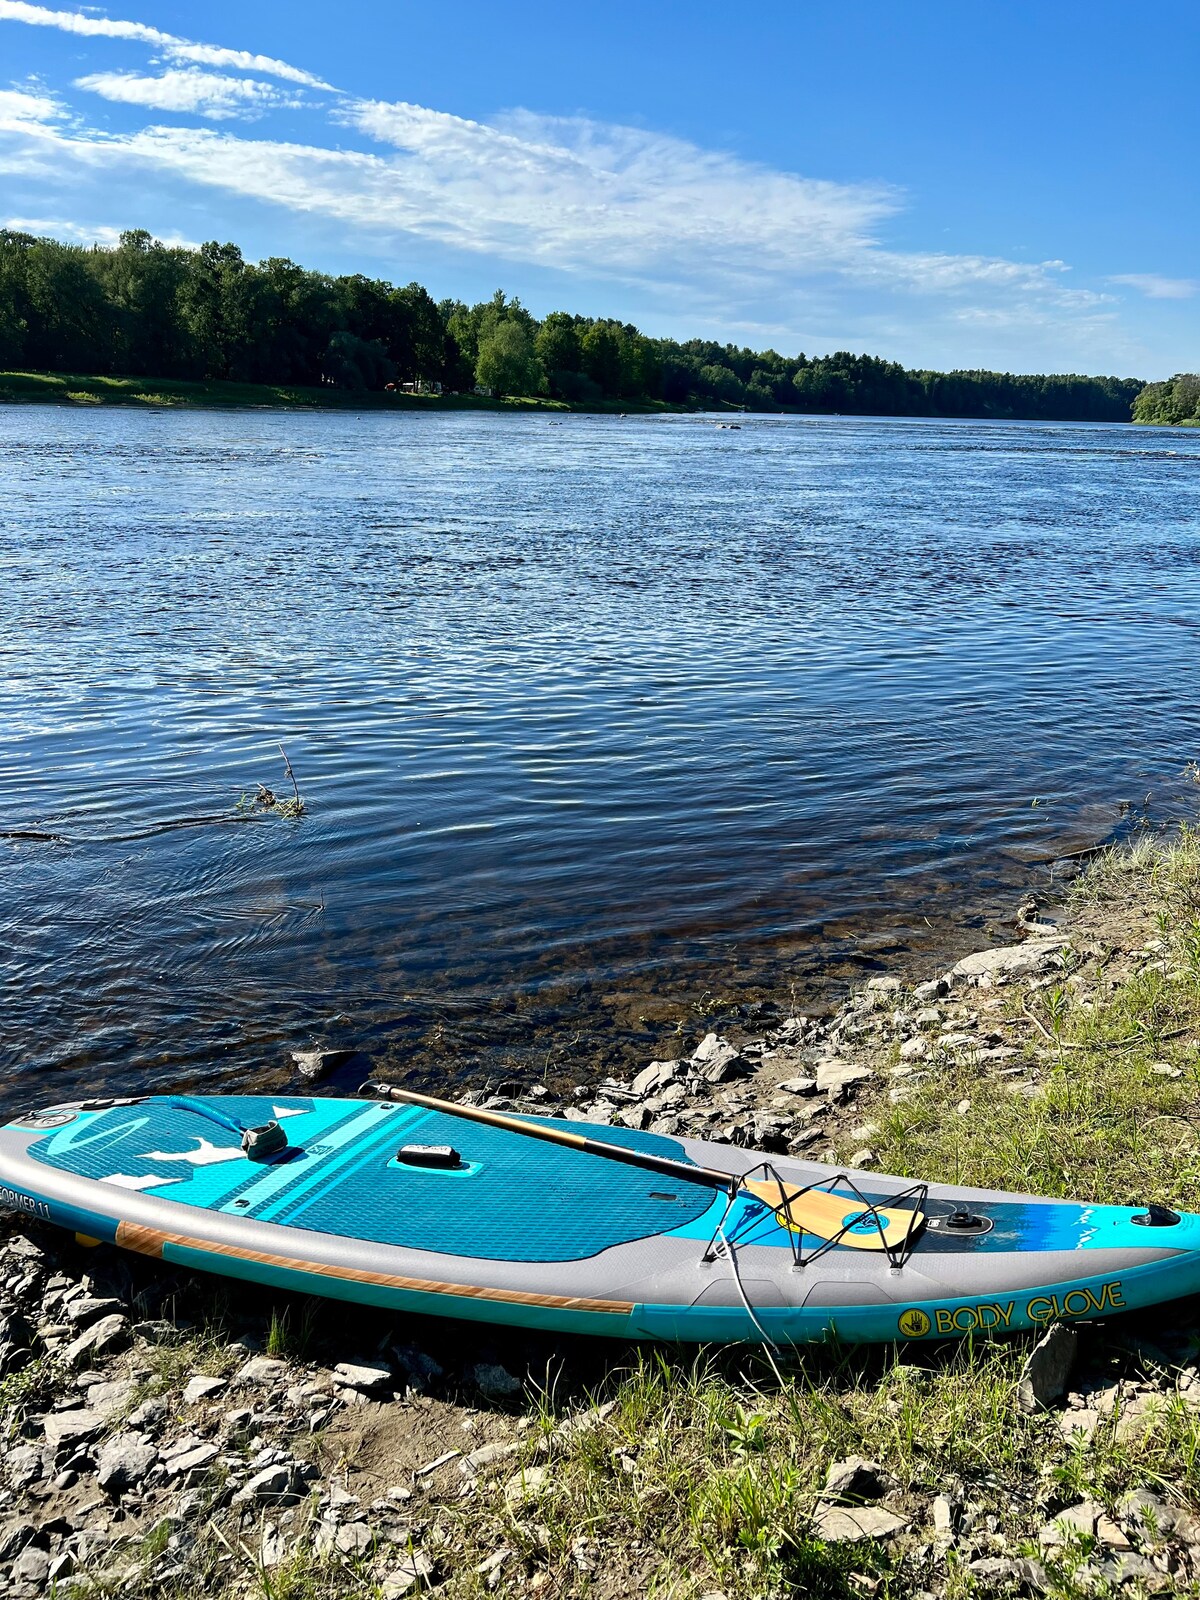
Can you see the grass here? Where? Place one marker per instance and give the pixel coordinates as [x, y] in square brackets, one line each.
[96, 390]
[1108, 1106]
[702, 1475]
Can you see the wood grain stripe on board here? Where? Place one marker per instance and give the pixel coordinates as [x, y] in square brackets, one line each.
[150, 1242]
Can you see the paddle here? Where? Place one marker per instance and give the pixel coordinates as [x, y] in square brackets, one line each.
[805, 1210]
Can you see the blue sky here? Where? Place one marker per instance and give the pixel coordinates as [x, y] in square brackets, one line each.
[1010, 185]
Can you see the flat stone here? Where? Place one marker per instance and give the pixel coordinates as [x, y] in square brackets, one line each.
[372, 1377]
[66, 1430]
[267, 1487]
[987, 967]
[884, 986]
[354, 1539]
[32, 1568]
[111, 1398]
[414, 1571]
[914, 1049]
[657, 1076]
[841, 1524]
[525, 1485]
[838, 1077]
[262, 1369]
[195, 1457]
[1026, 1575]
[124, 1462]
[1047, 1368]
[89, 1308]
[486, 1456]
[1078, 1520]
[802, 1086]
[202, 1388]
[935, 989]
[105, 1337]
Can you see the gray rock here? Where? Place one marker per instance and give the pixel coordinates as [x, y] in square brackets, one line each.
[268, 1487]
[88, 1309]
[494, 1381]
[657, 1076]
[935, 989]
[988, 967]
[1024, 1574]
[202, 1388]
[1047, 1368]
[124, 1462]
[412, 1572]
[23, 1465]
[371, 1377]
[354, 1539]
[525, 1485]
[855, 1480]
[14, 1536]
[104, 1338]
[262, 1369]
[487, 1455]
[189, 1459]
[801, 1086]
[110, 1398]
[32, 1568]
[839, 1077]
[67, 1430]
[319, 1063]
[841, 1524]
[1075, 1520]
[718, 1061]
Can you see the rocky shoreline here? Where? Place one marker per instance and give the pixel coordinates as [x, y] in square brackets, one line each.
[163, 1431]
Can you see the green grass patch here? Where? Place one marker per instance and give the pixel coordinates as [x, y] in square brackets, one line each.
[89, 390]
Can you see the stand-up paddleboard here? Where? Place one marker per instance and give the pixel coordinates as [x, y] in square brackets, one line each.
[541, 1223]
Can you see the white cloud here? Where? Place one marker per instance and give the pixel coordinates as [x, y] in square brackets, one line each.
[84, 233]
[176, 48]
[706, 236]
[21, 112]
[209, 94]
[1155, 287]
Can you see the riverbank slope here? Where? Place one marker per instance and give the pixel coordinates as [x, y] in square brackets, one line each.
[166, 1433]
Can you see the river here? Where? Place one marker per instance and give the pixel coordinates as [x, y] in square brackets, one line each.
[607, 728]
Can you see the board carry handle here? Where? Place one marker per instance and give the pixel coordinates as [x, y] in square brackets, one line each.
[807, 1210]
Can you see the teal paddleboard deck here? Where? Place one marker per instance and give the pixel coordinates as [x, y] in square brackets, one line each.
[510, 1230]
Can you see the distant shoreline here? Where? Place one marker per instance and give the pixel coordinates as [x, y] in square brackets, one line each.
[70, 389]
[81, 390]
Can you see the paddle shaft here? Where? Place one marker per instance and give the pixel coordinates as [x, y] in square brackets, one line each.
[710, 1176]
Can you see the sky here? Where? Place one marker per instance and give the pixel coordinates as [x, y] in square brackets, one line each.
[946, 183]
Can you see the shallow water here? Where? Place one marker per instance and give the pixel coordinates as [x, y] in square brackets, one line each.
[604, 726]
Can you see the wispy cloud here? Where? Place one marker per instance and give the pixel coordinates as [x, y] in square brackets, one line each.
[1155, 287]
[726, 241]
[170, 44]
[82, 232]
[207, 94]
[23, 112]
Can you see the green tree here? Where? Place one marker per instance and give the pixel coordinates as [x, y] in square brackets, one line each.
[506, 363]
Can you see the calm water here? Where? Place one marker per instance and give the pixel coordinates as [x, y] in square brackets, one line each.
[604, 726]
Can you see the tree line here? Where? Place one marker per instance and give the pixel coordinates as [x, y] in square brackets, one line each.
[146, 309]
[1173, 402]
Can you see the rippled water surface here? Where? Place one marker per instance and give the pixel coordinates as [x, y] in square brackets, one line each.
[603, 725]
